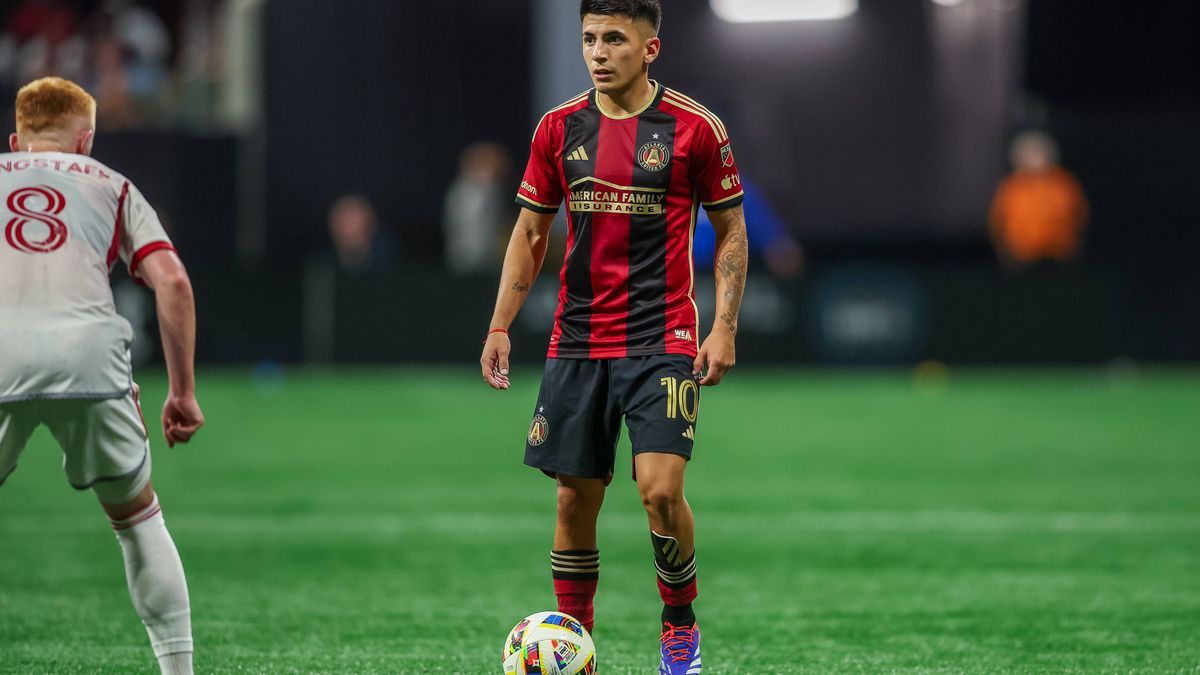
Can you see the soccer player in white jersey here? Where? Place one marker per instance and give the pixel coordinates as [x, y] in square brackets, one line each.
[64, 351]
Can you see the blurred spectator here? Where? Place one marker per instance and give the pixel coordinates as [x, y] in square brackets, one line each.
[1039, 211]
[143, 61]
[42, 37]
[115, 107]
[358, 244]
[49, 19]
[477, 210]
[770, 240]
[147, 46]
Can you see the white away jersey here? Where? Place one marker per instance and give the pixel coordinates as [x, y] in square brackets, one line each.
[66, 219]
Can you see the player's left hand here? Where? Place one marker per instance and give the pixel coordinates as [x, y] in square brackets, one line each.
[494, 362]
[181, 418]
[716, 356]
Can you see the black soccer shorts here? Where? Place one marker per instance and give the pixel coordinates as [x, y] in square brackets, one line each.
[577, 421]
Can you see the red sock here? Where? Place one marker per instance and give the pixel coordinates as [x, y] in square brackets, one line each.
[575, 598]
[677, 597]
[576, 575]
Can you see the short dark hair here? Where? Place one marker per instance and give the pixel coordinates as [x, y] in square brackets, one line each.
[650, 10]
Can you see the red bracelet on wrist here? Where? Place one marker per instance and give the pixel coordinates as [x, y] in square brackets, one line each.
[495, 330]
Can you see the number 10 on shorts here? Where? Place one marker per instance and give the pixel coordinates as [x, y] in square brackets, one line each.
[678, 399]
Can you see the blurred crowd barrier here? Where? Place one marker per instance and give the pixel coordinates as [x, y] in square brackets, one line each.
[846, 314]
[850, 302]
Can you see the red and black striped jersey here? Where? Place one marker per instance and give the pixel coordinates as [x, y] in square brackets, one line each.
[633, 185]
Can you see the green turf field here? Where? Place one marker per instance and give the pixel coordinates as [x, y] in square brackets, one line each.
[382, 522]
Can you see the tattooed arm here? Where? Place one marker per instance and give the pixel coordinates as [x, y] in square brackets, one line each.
[522, 262]
[717, 355]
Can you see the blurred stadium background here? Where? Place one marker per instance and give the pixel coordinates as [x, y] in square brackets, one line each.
[873, 145]
[940, 452]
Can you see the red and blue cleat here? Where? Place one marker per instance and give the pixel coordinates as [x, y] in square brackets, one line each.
[680, 650]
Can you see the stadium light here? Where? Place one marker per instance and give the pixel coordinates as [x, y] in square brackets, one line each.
[756, 11]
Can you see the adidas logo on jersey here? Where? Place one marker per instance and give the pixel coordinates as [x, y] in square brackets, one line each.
[690, 434]
[579, 155]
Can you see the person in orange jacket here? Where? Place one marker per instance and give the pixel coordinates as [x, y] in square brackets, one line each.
[1039, 211]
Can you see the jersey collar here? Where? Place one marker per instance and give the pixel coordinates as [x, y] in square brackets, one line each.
[658, 91]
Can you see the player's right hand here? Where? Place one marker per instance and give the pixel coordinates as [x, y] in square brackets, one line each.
[494, 361]
[181, 419]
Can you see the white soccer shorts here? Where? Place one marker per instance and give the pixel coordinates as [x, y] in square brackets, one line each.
[104, 442]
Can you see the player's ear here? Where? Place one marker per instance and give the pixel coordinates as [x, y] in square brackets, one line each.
[653, 45]
[14, 144]
[85, 142]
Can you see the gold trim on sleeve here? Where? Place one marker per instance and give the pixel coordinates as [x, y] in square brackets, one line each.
[722, 201]
[537, 204]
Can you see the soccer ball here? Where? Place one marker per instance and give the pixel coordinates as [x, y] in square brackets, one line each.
[549, 643]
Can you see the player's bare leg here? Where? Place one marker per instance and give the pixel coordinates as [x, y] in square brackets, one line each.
[660, 484]
[579, 502]
[673, 536]
[155, 575]
[123, 511]
[575, 560]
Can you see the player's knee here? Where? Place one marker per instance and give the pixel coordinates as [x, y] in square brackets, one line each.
[120, 503]
[662, 502]
[574, 504]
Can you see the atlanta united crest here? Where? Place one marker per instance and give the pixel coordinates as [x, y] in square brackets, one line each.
[654, 156]
[538, 430]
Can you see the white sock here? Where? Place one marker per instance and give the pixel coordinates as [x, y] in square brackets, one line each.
[179, 663]
[157, 587]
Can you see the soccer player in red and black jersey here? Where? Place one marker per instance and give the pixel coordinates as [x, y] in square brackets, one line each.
[634, 161]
